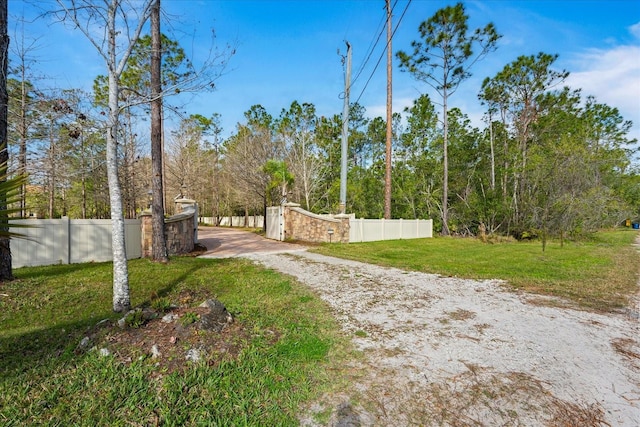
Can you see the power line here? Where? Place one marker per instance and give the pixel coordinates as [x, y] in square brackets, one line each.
[384, 50]
[372, 47]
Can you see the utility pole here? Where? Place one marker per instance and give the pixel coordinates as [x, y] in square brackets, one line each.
[387, 170]
[345, 132]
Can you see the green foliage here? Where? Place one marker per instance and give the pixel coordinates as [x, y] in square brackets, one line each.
[134, 319]
[550, 162]
[10, 193]
[441, 58]
[189, 318]
[280, 180]
[162, 304]
[135, 79]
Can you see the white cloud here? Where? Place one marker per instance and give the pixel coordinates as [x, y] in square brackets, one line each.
[635, 30]
[380, 110]
[613, 77]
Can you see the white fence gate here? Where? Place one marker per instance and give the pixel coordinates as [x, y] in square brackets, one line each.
[275, 223]
[251, 221]
[65, 241]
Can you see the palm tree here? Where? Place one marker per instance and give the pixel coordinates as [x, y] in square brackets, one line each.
[10, 193]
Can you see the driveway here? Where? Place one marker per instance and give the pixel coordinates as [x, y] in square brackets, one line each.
[227, 243]
[446, 351]
[450, 351]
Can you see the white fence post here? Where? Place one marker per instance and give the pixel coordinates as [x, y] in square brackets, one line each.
[66, 224]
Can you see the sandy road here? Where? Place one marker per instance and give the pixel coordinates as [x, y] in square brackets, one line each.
[449, 351]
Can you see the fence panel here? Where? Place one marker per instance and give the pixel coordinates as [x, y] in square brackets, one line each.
[393, 230]
[48, 243]
[371, 230]
[65, 241]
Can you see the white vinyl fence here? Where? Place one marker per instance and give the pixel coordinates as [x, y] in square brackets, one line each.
[371, 230]
[65, 241]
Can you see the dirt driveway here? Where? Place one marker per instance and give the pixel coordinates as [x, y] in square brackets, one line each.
[457, 352]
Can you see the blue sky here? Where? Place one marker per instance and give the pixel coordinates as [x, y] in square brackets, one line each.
[288, 50]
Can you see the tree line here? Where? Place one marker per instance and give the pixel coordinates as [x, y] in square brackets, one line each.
[548, 160]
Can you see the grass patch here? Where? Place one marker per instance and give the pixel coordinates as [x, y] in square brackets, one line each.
[600, 273]
[293, 345]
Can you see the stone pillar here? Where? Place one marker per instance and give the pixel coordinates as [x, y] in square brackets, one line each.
[345, 228]
[146, 234]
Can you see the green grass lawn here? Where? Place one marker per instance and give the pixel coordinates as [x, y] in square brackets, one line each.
[600, 273]
[47, 310]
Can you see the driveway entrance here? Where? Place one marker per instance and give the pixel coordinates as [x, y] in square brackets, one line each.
[228, 243]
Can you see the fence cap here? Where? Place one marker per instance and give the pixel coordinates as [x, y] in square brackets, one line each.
[185, 201]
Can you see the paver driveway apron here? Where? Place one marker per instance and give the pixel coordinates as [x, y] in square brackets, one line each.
[227, 243]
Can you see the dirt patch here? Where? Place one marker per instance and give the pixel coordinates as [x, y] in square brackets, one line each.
[448, 351]
[172, 338]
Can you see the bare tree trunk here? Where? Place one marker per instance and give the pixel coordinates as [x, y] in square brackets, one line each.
[22, 157]
[121, 296]
[505, 150]
[52, 168]
[159, 243]
[86, 16]
[6, 272]
[493, 156]
[84, 197]
[445, 166]
[121, 299]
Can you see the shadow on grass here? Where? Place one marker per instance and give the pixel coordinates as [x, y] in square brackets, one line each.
[51, 271]
[20, 352]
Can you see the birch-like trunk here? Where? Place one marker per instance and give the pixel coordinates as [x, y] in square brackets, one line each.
[121, 299]
[87, 15]
[445, 163]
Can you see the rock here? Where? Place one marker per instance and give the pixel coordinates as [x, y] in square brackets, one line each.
[193, 355]
[155, 351]
[216, 318]
[104, 352]
[84, 342]
[347, 417]
[149, 313]
[168, 318]
[122, 323]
